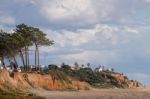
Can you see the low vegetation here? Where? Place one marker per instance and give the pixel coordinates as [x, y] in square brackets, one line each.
[4, 95]
[96, 79]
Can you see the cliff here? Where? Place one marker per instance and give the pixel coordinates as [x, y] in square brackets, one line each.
[23, 81]
[124, 81]
[58, 80]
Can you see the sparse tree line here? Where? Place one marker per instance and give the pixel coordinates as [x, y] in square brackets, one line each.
[18, 42]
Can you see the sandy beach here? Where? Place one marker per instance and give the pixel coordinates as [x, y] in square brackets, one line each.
[140, 93]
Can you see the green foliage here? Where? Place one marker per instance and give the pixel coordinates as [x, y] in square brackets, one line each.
[32, 35]
[26, 33]
[3, 41]
[87, 75]
[18, 42]
[96, 79]
[65, 67]
[52, 67]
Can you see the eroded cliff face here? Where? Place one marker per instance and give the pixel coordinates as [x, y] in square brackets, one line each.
[135, 84]
[23, 81]
[13, 81]
[121, 79]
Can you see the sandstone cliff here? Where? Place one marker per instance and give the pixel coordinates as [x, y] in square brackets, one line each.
[56, 81]
[20, 81]
[123, 80]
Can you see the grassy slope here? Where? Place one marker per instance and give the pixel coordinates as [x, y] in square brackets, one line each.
[14, 95]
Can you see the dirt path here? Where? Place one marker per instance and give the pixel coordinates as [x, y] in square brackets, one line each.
[96, 94]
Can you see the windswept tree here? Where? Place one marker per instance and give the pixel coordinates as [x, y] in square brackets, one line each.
[77, 67]
[39, 39]
[18, 42]
[26, 33]
[9, 46]
[88, 65]
[3, 39]
[32, 36]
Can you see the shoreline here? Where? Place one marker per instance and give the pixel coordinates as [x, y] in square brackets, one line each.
[138, 93]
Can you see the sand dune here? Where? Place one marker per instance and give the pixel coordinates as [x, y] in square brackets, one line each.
[96, 94]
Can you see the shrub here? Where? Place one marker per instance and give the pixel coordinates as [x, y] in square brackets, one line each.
[52, 67]
[66, 67]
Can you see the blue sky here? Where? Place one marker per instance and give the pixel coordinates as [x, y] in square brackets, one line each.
[114, 33]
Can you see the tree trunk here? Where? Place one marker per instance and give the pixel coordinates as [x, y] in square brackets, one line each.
[28, 59]
[12, 55]
[38, 58]
[22, 58]
[10, 61]
[3, 63]
[15, 60]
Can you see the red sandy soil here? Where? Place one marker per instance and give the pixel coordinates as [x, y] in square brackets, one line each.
[24, 81]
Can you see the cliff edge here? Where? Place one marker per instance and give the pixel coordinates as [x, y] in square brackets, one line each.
[23, 81]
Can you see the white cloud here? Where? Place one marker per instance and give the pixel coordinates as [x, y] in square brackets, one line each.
[104, 8]
[95, 57]
[58, 10]
[131, 30]
[104, 44]
[90, 11]
[7, 29]
[81, 11]
[147, 1]
[66, 37]
[77, 13]
[5, 19]
[100, 32]
[85, 12]
[100, 36]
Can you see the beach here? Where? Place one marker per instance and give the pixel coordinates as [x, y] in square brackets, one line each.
[140, 93]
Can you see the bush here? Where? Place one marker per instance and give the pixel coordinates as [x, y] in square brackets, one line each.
[66, 67]
[52, 67]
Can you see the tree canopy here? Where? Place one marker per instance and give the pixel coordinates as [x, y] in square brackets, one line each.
[18, 42]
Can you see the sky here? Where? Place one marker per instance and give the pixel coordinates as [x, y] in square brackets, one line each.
[113, 33]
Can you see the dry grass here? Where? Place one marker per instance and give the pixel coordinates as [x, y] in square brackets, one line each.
[6, 95]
